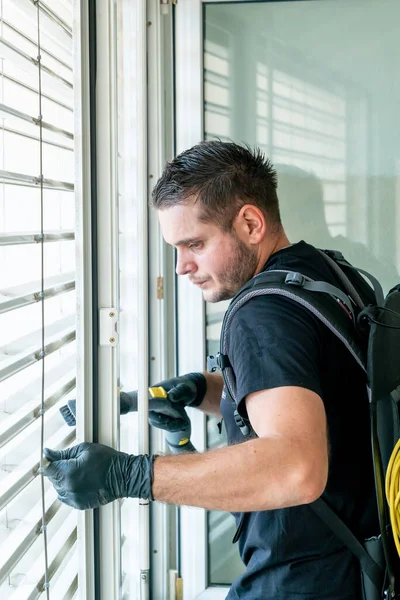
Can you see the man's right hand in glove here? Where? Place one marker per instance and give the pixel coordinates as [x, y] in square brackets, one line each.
[165, 413]
[186, 390]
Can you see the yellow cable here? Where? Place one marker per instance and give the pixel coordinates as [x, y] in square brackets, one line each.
[392, 490]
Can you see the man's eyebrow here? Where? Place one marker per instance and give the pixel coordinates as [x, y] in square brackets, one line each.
[187, 241]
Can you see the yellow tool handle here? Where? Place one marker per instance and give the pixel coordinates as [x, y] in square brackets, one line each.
[157, 392]
[178, 438]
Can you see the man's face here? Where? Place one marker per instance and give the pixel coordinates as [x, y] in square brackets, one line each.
[218, 262]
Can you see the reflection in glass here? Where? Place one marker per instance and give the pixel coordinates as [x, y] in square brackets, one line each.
[326, 114]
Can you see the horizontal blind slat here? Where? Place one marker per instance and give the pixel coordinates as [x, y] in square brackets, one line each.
[50, 22]
[19, 300]
[53, 16]
[10, 239]
[12, 53]
[35, 91]
[61, 371]
[28, 350]
[17, 481]
[31, 359]
[18, 421]
[35, 181]
[71, 591]
[8, 110]
[32, 286]
[19, 542]
[33, 137]
[32, 41]
[32, 341]
[31, 587]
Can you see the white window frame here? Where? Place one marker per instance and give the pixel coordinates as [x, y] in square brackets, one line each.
[84, 378]
[191, 307]
[107, 253]
[106, 140]
[161, 309]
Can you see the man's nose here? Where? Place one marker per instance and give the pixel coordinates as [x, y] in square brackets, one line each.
[184, 265]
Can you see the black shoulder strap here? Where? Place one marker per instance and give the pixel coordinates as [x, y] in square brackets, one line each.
[326, 302]
[336, 312]
[340, 529]
[349, 276]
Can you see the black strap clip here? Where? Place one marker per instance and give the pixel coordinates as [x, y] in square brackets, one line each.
[366, 317]
[241, 424]
[212, 363]
[219, 362]
[295, 279]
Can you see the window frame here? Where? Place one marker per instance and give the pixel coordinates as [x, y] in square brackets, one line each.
[108, 550]
[84, 277]
[190, 304]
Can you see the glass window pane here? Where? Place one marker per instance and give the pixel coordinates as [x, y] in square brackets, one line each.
[329, 126]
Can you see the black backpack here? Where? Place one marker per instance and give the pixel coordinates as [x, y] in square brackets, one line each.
[368, 324]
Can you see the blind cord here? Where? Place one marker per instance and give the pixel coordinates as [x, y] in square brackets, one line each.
[46, 583]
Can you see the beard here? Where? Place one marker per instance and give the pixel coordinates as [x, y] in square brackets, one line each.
[238, 270]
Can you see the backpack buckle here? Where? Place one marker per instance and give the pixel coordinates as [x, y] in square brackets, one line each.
[212, 363]
[295, 279]
[241, 424]
[220, 362]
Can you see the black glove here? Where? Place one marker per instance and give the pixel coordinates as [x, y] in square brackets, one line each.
[164, 413]
[68, 412]
[91, 475]
[186, 390]
[127, 403]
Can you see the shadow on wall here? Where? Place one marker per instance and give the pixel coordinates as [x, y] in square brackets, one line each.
[301, 200]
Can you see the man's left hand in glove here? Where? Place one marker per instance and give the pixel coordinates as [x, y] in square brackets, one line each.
[163, 413]
[91, 475]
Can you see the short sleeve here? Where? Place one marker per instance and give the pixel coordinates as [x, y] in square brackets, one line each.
[273, 342]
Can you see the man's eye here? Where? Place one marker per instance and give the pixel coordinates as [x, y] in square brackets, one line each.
[195, 245]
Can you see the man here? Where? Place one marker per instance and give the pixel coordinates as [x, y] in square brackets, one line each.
[217, 204]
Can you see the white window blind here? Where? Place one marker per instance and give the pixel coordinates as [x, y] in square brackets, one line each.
[38, 535]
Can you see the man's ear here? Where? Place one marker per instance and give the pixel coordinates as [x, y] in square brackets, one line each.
[250, 224]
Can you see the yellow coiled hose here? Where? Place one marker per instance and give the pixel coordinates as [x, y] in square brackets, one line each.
[392, 488]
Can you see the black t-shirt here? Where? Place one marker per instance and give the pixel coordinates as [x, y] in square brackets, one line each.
[290, 554]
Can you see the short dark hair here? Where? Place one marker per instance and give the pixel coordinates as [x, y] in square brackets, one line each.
[223, 177]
